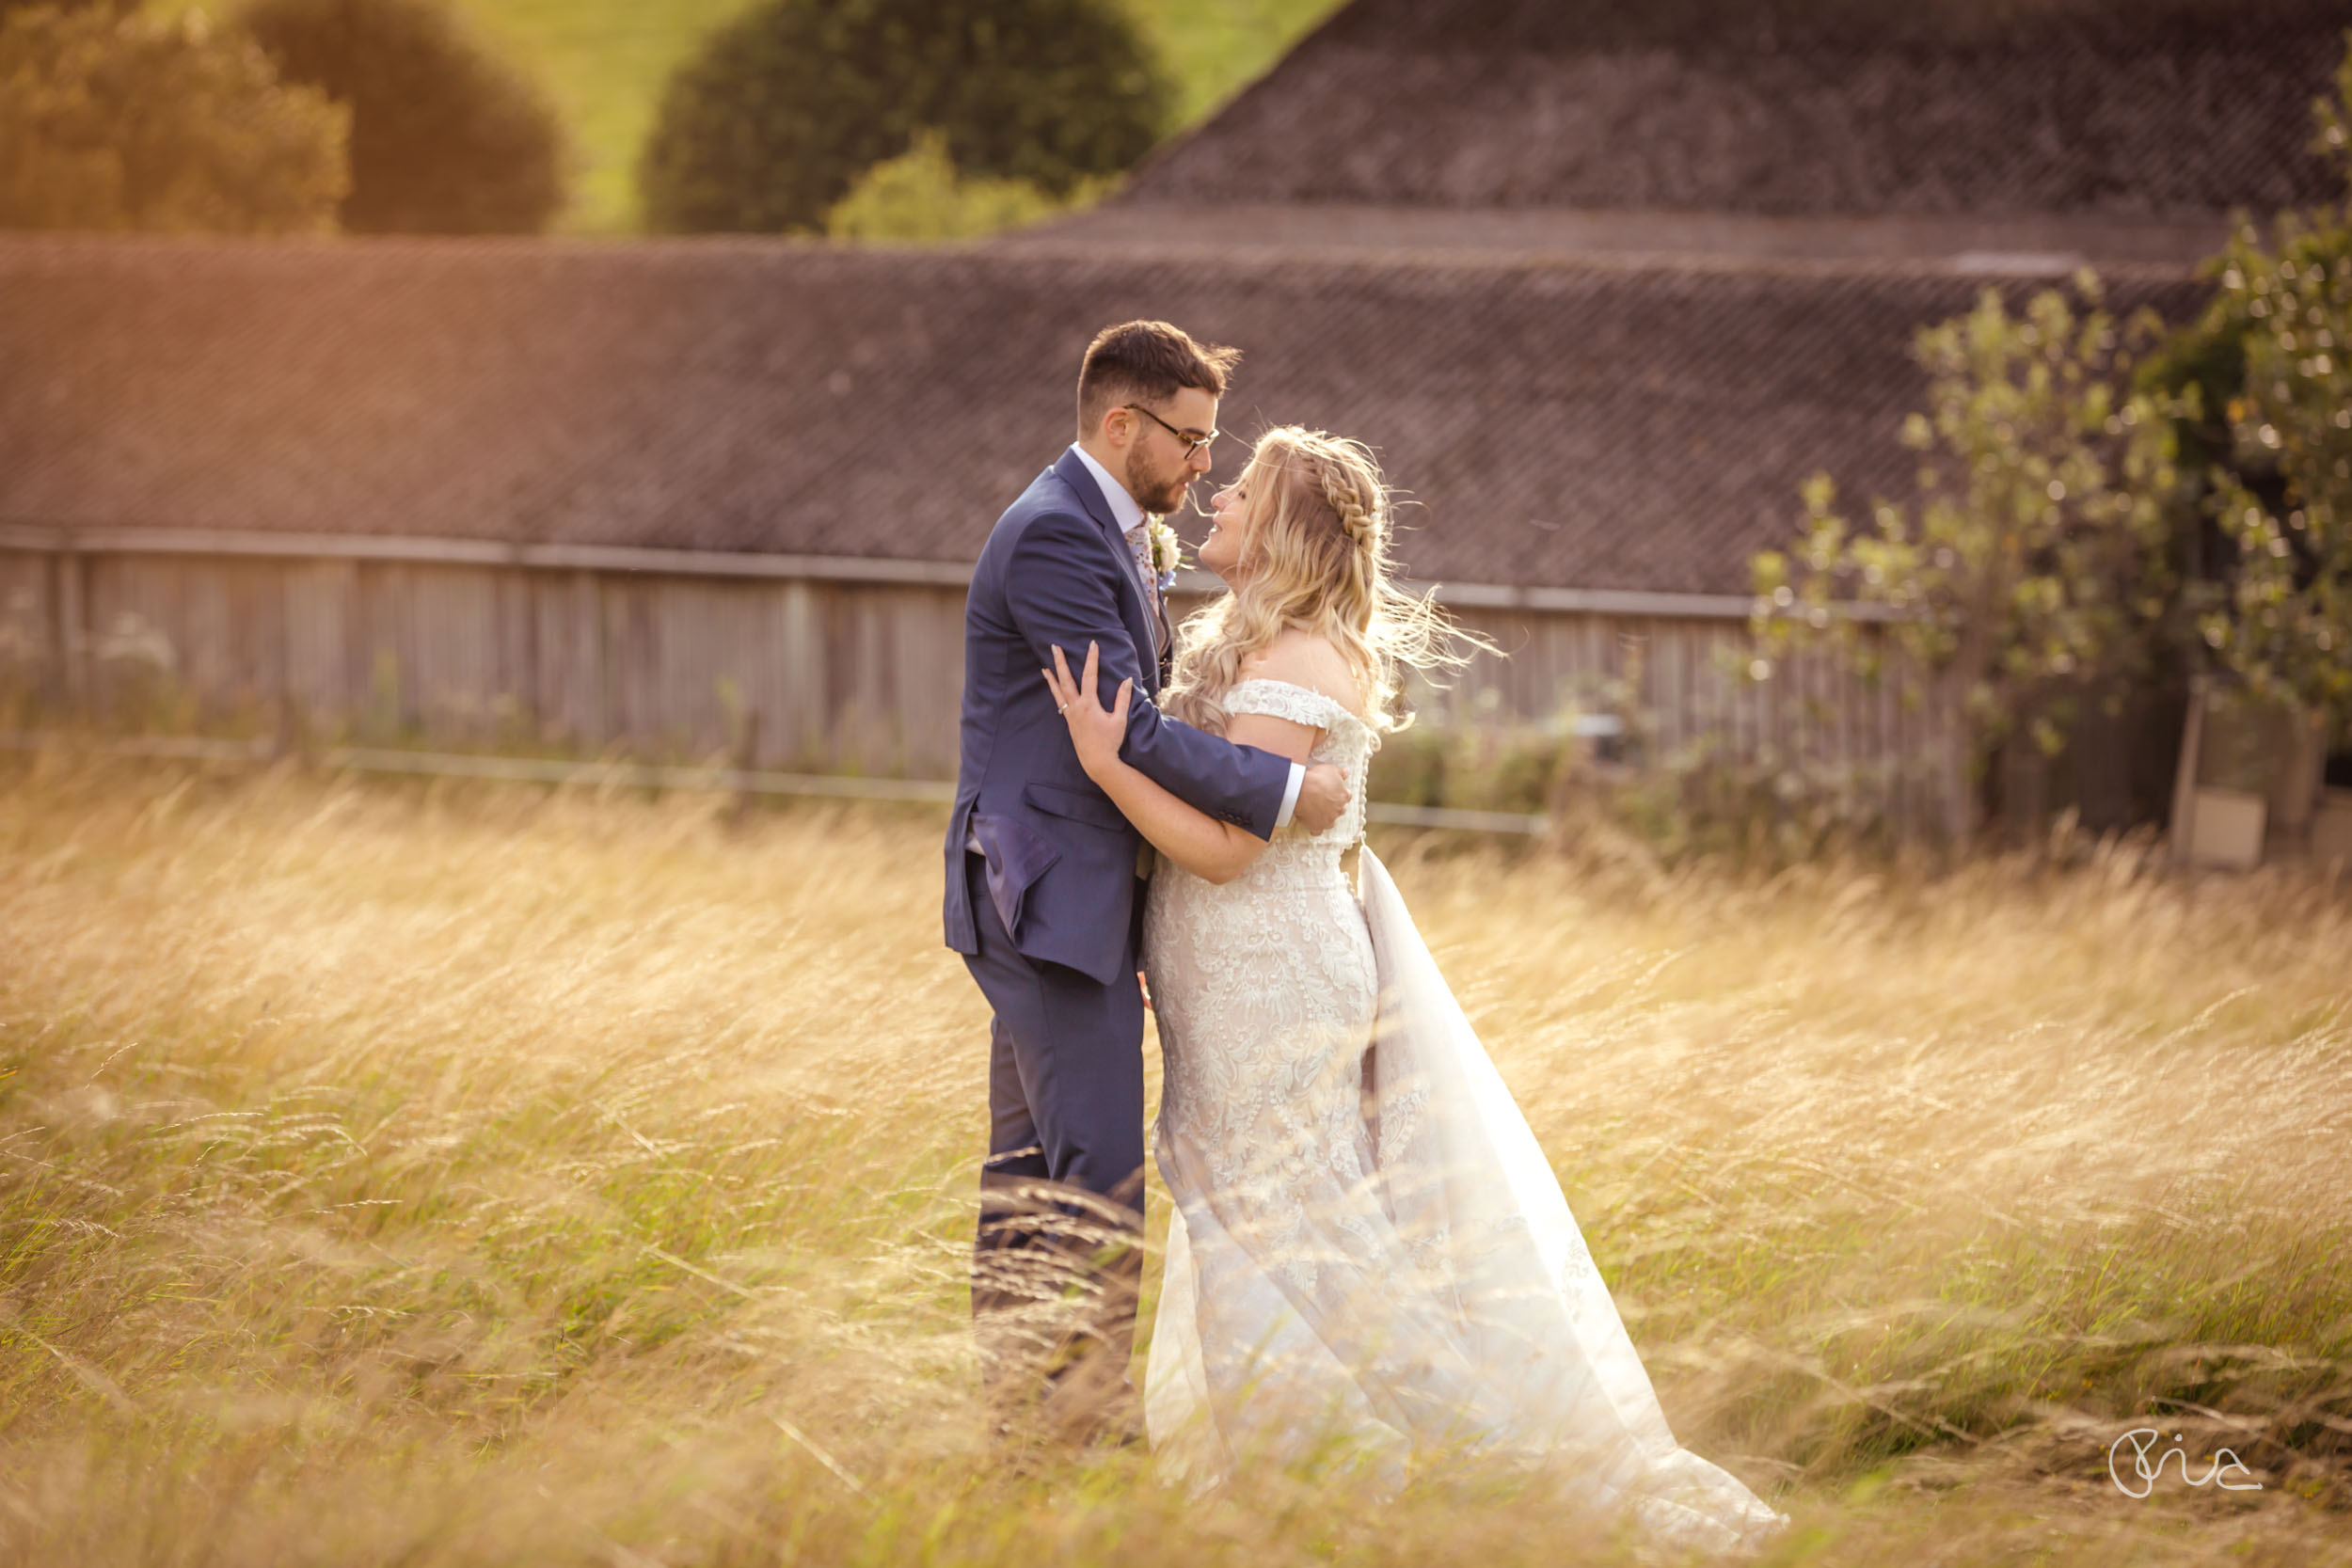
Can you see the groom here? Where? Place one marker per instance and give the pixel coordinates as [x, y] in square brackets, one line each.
[1045, 876]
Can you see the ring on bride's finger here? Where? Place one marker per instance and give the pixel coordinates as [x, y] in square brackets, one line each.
[1064, 709]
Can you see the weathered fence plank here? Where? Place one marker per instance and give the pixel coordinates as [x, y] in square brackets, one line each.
[843, 675]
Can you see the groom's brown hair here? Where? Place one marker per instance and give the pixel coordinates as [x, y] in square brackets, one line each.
[1146, 362]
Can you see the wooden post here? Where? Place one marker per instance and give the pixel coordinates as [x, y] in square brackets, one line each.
[289, 742]
[1958, 779]
[2180, 831]
[746, 762]
[282, 740]
[588, 660]
[69, 601]
[56, 687]
[2303, 762]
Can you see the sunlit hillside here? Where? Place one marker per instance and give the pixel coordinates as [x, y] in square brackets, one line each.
[485, 1174]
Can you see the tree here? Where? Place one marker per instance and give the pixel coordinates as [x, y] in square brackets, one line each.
[2268, 413]
[2284, 626]
[129, 122]
[770, 124]
[445, 137]
[2038, 561]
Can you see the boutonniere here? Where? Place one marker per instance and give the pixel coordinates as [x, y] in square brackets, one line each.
[1166, 552]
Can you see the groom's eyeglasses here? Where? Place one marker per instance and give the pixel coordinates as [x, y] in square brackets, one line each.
[1192, 443]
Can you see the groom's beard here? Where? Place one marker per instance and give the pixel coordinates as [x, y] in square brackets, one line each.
[1156, 494]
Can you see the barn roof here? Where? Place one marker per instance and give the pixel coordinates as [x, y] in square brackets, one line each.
[2126, 107]
[1577, 423]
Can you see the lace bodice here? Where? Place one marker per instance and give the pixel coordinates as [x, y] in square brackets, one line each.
[1266, 993]
[1348, 743]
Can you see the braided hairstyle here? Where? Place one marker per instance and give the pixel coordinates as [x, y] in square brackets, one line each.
[1316, 559]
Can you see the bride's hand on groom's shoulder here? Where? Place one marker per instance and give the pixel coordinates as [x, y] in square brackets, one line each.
[1096, 732]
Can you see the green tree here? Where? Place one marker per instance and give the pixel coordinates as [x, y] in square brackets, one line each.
[771, 123]
[130, 122]
[446, 138]
[2268, 402]
[2037, 564]
[2283, 624]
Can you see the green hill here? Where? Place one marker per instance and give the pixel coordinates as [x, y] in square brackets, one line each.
[604, 61]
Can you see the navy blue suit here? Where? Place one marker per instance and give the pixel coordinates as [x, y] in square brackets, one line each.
[1048, 915]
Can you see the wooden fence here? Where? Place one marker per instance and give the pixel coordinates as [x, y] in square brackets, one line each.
[822, 664]
[850, 666]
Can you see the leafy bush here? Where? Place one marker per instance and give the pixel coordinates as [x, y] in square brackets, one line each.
[2041, 558]
[773, 122]
[2285, 625]
[2080, 521]
[111, 122]
[2266, 416]
[445, 137]
[920, 196]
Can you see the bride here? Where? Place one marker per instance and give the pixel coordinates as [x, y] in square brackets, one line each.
[1370, 1255]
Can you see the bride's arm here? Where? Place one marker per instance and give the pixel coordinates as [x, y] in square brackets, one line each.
[1213, 851]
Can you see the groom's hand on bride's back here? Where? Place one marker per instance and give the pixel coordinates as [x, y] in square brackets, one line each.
[1322, 796]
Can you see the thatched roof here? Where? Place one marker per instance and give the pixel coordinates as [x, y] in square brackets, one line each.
[1587, 424]
[2127, 107]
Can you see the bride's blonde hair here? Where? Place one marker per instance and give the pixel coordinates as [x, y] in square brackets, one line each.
[1318, 561]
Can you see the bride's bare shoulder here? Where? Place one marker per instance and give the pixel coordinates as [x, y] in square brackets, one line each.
[1303, 659]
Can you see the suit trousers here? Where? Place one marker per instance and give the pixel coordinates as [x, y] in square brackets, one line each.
[1057, 1262]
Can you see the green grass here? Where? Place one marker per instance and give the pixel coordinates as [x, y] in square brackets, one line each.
[604, 63]
[1215, 48]
[456, 1174]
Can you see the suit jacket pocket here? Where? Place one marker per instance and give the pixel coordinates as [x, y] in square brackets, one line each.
[1016, 857]
[1076, 805]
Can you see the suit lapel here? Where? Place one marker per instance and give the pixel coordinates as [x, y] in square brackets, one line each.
[1135, 610]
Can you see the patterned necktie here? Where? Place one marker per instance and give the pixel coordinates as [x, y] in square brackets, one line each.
[1139, 541]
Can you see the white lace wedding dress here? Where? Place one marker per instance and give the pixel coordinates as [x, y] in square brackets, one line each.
[1370, 1255]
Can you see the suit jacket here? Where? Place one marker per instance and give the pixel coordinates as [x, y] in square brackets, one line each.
[1061, 859]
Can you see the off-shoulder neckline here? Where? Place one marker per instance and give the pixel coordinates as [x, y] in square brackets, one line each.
[1325, 697]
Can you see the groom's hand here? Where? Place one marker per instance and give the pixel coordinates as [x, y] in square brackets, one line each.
[1322, 796]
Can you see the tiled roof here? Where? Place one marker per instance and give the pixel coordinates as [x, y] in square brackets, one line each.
[1974, 243]
[2125, 107]
[1582, 424]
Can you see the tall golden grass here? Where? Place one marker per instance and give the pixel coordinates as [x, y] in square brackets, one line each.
[484, 1174]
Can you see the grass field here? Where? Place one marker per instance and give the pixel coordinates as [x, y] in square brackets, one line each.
[485, 1175]
[604, 63]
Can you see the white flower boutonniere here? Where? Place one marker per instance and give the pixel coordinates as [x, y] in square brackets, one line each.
[1166, 552]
